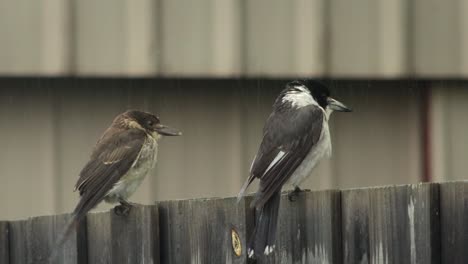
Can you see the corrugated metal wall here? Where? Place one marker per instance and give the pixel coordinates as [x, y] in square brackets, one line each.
[449, 127]
[359, 38]
[50, 125]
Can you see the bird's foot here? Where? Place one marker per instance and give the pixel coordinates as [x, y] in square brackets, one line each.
[123, 209]
[292, 196]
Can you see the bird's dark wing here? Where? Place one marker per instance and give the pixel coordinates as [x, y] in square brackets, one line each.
[288, 138]
[112, 157]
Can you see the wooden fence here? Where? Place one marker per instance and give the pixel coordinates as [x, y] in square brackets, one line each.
[423, 223]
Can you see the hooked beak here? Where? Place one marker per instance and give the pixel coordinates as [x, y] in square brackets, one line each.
[337, 105]
[167, 131]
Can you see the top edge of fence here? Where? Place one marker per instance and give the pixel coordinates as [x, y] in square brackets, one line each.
[250, 195]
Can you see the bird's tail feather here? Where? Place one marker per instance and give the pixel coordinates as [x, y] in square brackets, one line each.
[262, 241]
[244, 187]
[72, 225]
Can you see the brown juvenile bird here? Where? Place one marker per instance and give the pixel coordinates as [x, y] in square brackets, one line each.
[121, 159]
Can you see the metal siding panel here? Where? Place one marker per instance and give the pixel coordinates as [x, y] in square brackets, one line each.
[143, 51]
[56, 37]
[457, 133]
[27, 159]
[116, 37]
[354, 41]
[377, 143]
[309, 51]
[436, 36]
[284, 38]
[222, 129]
[21, 31]
[464, 37]
[206, 160]
[449, 142]
[392, 38]
[34, 37]
[227, 38]
[367, 38]
[438, 128]
[101, 28]
[186, 37]
[200, 38]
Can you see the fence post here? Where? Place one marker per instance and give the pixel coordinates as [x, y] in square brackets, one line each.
[4, 248]
[423, 223]
[355, 224]
[204, 230]
[396, 224]
[309, 229]
[454, 221]
[124, 239]
[32, 240]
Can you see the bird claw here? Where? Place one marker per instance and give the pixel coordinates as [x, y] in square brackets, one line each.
[292, 196]
[122, 209]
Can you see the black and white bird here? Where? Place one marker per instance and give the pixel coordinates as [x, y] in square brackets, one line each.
[121, 159]
[295, 137]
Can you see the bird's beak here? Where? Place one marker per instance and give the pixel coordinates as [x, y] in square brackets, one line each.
[167, 131]
[337, 105]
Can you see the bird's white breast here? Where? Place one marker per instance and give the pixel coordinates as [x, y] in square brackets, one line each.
[144, 162]
[323, 148]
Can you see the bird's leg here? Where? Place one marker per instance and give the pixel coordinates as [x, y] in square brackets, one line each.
[292, 196]
[123, 209]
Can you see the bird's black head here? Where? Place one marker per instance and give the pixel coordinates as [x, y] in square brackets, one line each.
[148, 122]
[318, 90]
[321, 94]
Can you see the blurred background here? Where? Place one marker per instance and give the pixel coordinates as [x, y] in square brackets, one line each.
[213, 68]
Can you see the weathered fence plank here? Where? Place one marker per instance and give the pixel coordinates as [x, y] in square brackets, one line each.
[124, 239]
[355, 224]
[397, 224]
[33, 240]
[423, 223]
[454, 222]
[309, 229]
[201, 230]
[4, 248]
